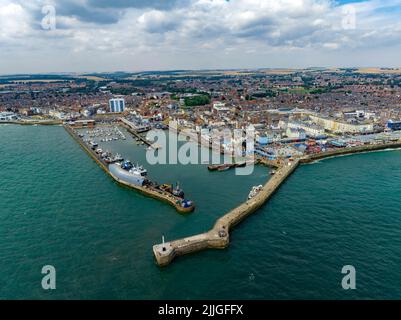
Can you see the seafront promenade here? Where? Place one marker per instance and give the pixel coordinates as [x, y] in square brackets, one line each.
[218, 236]
[33, 122]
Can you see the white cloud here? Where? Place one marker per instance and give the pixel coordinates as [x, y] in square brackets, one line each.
[14, 21]
[198, 33]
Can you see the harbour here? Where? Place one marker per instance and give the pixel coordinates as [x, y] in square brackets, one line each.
[121, 175]
[106, 234]
[218, 237]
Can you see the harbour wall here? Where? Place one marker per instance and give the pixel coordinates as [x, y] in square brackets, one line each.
[349, 151]
[218, 236]
[160, 195]
[34, 122]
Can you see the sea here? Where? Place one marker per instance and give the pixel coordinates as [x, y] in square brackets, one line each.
[58, 208]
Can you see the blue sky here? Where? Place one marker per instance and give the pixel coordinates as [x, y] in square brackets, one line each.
[134, 35]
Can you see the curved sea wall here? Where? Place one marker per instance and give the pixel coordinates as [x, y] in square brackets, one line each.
[353, 150]
[218, 237]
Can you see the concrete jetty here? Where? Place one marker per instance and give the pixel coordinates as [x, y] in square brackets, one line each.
[352, 150]
[218, 236]
[131, 129]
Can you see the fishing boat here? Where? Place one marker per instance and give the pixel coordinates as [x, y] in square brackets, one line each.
[224, 167]
[178, 192]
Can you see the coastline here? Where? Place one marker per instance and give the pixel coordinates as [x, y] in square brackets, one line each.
[218, 236]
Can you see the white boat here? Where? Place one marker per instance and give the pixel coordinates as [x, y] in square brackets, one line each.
[127, 173]
[254, 192]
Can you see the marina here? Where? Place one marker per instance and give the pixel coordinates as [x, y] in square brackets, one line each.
[125, 173]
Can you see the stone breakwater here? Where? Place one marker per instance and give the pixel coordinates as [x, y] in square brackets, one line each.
[218, 236]
[348, 151]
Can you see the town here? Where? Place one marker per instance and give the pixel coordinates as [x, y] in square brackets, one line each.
[294, 112]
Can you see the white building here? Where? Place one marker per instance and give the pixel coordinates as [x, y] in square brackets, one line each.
[360, 114]
[337, 126]
[220, 107]
[116, 105]
[310, 129]
[296, 133]
[57, 114]
[8, 116]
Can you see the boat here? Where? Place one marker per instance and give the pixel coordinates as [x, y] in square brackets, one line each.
[141, 170]
[212, 167]
[187, 204]
[254, 192]
[166, 187]
[93, 145]
[224, 167]
[128, 173]
[241, 164]
[178, 192]
[117, 158]
[273, 172]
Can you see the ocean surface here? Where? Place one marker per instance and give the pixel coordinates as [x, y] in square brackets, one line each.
[59, 208]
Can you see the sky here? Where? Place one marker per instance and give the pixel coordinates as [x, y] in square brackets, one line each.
[43, 36]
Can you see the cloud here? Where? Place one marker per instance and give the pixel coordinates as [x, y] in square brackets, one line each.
[187, 33]
[14, 21]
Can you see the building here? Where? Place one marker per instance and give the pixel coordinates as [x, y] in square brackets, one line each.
[57, 114]
[359, 114]
[311, 130]
[82, 124]
[8, 116]
[116, 105]
[337, 126]
[220, 107]
[296, 134]
[394, 125]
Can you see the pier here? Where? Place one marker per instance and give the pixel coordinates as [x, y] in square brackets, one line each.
[132, 130]
[146, 190]
[219, 236]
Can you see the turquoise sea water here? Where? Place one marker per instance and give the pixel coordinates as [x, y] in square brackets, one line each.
[59, 208]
